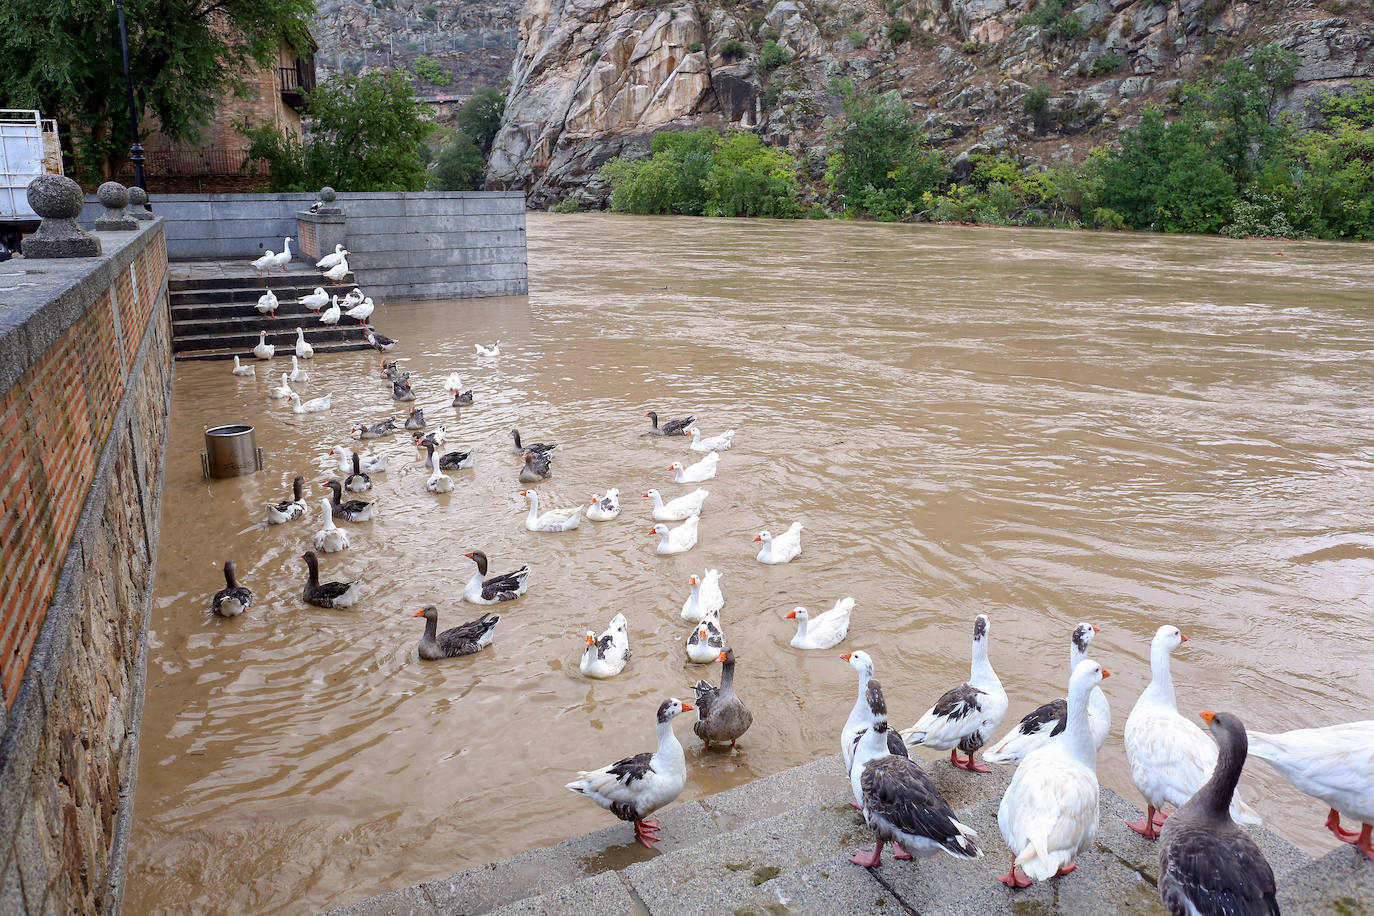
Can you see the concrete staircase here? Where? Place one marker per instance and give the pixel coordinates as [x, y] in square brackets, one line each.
[215, 315]
[781, 845]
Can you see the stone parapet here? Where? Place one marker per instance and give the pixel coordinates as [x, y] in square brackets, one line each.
[85, 372]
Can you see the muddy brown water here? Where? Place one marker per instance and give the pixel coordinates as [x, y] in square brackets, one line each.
[1046, 426]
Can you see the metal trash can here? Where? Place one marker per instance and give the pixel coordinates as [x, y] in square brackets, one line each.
[230, 451]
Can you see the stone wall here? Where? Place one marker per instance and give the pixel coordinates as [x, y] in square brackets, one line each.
[405, 245]
[85, 364]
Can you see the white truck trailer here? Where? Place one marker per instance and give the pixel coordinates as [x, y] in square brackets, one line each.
[28, 148]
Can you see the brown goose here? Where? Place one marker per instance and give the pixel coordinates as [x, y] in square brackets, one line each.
[329, 594]
[1208, 865]
[415, 419]
[233, 599]
[464, 639]
[534, 448]
[721, 714]
[537, 467]
[355, 510]
[671, 427]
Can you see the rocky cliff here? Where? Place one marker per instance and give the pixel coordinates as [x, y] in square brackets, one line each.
[595, 78]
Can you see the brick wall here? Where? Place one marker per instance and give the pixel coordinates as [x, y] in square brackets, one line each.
[87, 383]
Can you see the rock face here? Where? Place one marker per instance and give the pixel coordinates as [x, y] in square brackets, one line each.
[593, 79]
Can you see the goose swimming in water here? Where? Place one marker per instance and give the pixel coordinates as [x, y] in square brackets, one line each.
[354, 510]
[241, 369]
[605, 656]
[537, 467]
[671, 427]
[288, 510]
[465, 639]
[328, 594]
[721, 714]
[503, 587]
[233, 599]
[682, 507]
[331, 537]
[604, 508]
[358, 481]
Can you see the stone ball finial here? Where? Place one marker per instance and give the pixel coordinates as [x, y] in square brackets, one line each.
[58, 200]
[327, 194]
[113, 195]
[55, 197]
[138, 203]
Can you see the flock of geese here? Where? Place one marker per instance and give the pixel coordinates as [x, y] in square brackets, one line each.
[1049, 812]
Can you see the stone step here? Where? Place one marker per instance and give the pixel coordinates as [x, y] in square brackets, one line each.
[782, 844]
[297, 274]
[237, 323]
[214, 295]
[272, 367]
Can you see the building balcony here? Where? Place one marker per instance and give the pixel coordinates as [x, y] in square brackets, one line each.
[297, 80]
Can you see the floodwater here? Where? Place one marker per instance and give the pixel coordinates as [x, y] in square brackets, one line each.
[1046, 426]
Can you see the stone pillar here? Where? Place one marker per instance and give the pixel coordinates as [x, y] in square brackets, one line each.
[115, 197]
[138, 203]
[58, 200]
[321, 227]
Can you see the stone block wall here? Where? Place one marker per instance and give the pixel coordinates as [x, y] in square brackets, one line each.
[85, 367]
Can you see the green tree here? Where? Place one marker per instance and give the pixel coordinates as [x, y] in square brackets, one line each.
[747, 178]
[880, 164]
[1331, 193]
[459, 165]
[429, 70]
[184, 55]
[1242, 102]
[368, 134]
[480, 117]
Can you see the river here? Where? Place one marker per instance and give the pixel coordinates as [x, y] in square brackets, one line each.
[1044, 426]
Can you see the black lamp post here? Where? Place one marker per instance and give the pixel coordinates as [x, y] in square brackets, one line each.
[135, 151]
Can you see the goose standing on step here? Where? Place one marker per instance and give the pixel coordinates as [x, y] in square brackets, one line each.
[676, 540]
[719, 443]
[554, 520]
[303, 349]
[964, 718]
[352, 298]
[826, 631]
[264, 350]
[493, 350]
[632, 788]
[314, 405]
[606, 655]
[233, 599]
[357, 481]
[1049, 812]
[331, 315]
[264, 264]
[288, 510]
[267, 304]
[721, 714]
[1206, 863]
[781, 549]
[1170, 756]
[317, 300]
[900, 804]
[706, 641]
[1334, 764]
[297, 373]
[330, 538]
[465, 639]
[329, 260]
[676, 510]
[861, 719]
[670, 427]
[336, 273]
[283, 257]
[1042, 723]
[703, 470]
[241, 369]
[537, 467]
[362, 311]
[705, 598]
[503, 587]
[604, 508]
[327, 594]
[353, 510]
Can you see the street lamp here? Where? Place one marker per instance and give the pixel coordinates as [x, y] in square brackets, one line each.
[135, 151]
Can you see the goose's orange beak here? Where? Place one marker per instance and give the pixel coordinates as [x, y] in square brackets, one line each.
[590, 639]
[1208, 717]
[758, 537]
[847, 656]
[1097, 629]
[722, 656]
[792, 615]
[418, 614]
[687, 707]
[1106, 674]
[1182, 638]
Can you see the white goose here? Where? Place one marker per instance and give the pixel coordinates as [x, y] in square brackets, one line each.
[264, 263]
[635, 787]
[314, 405]
[316, 300]
[369, 464]
[337, 272]
[264, 350]
[303, 349]
[282, 258]
[288, 510]
[1334, 764]
[604, 508]
[454, 382]
[676, 540]
[680, 508]
[352, 298]
[861, 717]
[297, 373]
[267, 303]
[438, 481]
[966, 716]
[332, 314]
[554, 520]
[1036, 727]
[330, 260]
[1049, 812]
[493, 350]
[704, 469]
[825, 631]
[362, 311]
[606, 656]
[1170, 757]
[781, 549]
[706, 597]
[719, 443]
[282, 392]
[706, 641]
[241, 369]
[331, 537]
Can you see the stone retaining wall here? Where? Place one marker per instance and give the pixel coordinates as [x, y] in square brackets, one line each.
[85, 367]
[405, 245]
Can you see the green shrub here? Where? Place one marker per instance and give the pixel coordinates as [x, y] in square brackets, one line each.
[1055, 19]
[898, 31]
[429, 13]
[857, 38]
[1037, 105]
[1108, 219]
[749, 179]
[1262, 216]
[880, 164]
[694, 47]
[817, 211]
[459, 166]
[1103, 64]
[773, 56]
[732, 49]
[428, 69]
[567, 205]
